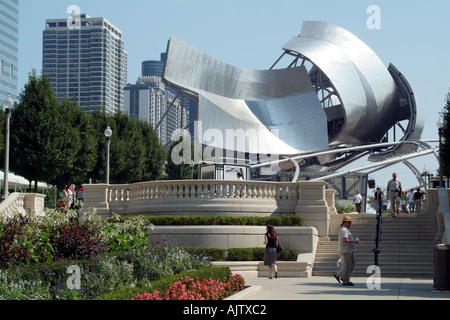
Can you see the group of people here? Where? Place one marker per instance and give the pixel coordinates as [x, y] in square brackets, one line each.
[401, 201]
[70, 198]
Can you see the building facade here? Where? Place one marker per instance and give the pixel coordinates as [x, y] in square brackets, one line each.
[148, 100]
[152, 68]
[9, 48]
[87, 62]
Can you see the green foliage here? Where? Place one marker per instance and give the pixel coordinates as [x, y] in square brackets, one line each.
[135, 152]
[39, 136]
[223, 220]
[213, 254]
[59, 143]
[179, 171]
[444, 150]
[162, 285]
[342, 207]
[257, 254]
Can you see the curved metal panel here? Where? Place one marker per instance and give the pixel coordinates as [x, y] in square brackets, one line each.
[277, 110]
[363, 84]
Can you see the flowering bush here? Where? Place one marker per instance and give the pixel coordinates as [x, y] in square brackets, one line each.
[187, 289]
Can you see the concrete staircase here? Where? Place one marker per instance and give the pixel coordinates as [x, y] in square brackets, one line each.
[406, 248]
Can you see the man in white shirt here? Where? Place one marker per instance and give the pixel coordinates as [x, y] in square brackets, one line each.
[410, 198]
[357, 200]
[394, 188]
[347, 250]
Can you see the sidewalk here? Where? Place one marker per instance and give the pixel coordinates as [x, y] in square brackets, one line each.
[327, 288]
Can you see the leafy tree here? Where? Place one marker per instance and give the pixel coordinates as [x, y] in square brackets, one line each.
[83, 154]
[40, 138]
[135, 152]
[155, 154]
[179, 171]
[445, 134]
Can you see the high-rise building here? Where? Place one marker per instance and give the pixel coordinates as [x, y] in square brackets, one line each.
[148, 100]
[87, 62]
[9, 48]
[152, 68]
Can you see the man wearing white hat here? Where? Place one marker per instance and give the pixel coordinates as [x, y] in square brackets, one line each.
[347, 250]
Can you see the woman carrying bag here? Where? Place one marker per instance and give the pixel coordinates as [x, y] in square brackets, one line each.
[270, 254]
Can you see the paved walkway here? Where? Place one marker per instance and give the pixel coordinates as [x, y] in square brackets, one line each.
[327, 288]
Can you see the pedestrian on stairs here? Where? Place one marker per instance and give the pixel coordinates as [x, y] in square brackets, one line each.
[347, 250]
[394, 188]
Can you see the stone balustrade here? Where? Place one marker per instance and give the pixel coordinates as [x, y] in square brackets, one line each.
[22, 203]
[216, 197]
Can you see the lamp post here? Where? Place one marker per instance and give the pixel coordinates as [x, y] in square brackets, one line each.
[425, 174]
[440, 126]
[108, 134]
[7, 104]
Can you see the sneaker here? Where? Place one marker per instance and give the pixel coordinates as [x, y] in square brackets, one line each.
[348, 284]
[338, 279]
[270, 278]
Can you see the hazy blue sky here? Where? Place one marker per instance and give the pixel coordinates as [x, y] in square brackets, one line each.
[414, 36]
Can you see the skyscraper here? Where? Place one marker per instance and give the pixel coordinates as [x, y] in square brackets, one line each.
[152, 68]
[149, 100]
[87, 62]
[9, 48]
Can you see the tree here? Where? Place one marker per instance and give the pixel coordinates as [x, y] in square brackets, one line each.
[83, 154]
[444, 151]
[135, 152]
[40, 139]
[179, 171]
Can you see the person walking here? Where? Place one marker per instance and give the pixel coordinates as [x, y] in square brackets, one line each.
[377, 199]
[394, 187]
[357, 201]
[270, 254]
[418, 200]
[347, 250]
[411, 204]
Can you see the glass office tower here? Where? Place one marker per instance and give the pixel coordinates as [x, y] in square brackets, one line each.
[9, 48]
[87, 63]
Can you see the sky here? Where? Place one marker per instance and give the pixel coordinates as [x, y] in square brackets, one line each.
[412, 35]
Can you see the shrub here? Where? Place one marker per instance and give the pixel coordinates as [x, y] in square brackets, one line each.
[126, 234]
[74, 240]
[163, 284]
[212, 254]
[223, 220]
[13, 288]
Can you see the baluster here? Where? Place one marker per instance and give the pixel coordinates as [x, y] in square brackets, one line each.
[249, 191]
[205, 190]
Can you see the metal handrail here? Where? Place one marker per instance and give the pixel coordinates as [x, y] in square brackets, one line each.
[377, 228]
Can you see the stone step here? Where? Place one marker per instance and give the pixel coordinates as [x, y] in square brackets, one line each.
[406, 247]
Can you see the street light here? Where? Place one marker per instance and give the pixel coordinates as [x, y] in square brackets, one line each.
[7, 104]
[440, 126]
[108, 134]
[425, 174]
